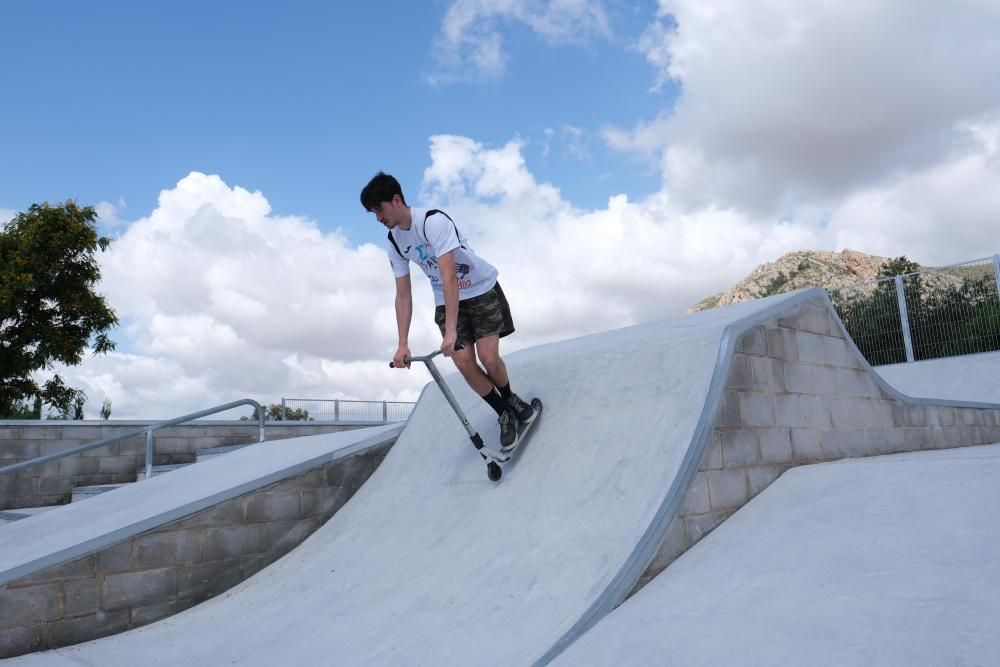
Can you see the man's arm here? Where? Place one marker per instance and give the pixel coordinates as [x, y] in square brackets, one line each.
[449, 281]
[404, 314]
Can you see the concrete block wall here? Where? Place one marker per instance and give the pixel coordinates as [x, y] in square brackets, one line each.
[797, 393]
[175, 566]
[52, 483]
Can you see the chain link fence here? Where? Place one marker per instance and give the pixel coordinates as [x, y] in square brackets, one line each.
[929, 314]
[337, 410]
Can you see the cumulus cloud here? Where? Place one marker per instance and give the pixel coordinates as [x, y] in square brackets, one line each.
[222, 299]
[786, 102]
[470, 44]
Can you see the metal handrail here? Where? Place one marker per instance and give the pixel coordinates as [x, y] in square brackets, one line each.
[148, 431]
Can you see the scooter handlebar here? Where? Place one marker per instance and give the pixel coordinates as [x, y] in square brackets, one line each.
[427, 357]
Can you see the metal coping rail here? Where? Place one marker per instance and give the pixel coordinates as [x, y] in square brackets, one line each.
[148, 431]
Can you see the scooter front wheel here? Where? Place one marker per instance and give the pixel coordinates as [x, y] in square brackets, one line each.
[494, 471]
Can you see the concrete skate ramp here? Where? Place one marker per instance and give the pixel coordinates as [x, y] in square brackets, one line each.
[881, 561]
[972, 377]
[430, 563]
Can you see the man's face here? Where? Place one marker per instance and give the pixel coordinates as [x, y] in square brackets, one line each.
[391, 213]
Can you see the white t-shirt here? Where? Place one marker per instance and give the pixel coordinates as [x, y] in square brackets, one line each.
[425, 241]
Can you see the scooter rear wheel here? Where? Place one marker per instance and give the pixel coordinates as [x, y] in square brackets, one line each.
[494, 471]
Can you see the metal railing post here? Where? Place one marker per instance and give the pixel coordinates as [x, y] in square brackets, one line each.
[385, 411]
[149, 452]
[261, 426]
[336, 410]
[904, 319]
[996, 272]
[284, 414]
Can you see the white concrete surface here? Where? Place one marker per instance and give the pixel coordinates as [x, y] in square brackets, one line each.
[882, 561]
[972, 377]
[68, 531]
[430, 563]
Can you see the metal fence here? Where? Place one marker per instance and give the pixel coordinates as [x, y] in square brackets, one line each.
[940, 312]
[332, 409]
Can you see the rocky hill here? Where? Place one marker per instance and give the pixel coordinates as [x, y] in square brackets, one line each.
[795, 270]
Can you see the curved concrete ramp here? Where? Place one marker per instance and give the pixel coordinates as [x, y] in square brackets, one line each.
[651, 436]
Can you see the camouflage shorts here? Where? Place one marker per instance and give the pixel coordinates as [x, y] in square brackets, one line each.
[481, 316]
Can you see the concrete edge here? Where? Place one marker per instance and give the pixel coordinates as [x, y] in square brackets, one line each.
[154, 520]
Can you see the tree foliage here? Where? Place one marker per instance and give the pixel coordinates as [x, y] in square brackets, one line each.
[49, 310]
[959, 316]
[273, 413]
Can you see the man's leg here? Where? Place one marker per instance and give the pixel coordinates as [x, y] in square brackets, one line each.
[488, 351]
[465, 361]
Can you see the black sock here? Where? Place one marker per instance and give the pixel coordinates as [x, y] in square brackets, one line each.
[505, 391]
[497, 403]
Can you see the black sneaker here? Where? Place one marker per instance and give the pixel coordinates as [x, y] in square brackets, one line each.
[508, 430]
[525, 413]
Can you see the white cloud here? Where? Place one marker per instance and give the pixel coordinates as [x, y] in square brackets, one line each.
[786, 102]
[470, 44]
[223, 299]
[6, 215]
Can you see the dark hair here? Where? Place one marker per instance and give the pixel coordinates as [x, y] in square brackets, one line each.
[382, 187]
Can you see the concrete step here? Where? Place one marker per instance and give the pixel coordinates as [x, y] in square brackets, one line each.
[160, 470]
[9, 516]
[84, 492]
[219, 451]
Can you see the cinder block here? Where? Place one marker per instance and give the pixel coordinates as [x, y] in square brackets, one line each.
[61, 487]
[836, 352]
[767, 374]
[739, 373]
[810, 347]
[781, 344]
[849, 413]
[354, 470]
[274, 506]
[91, 626]
[788, 410]
[254, 564]
[753, 342]
[842, 443]
[697, 527]
[233, 542]
[815, 411]
[761, 478]
[798, 378]
[805, 446]
[283, 536]
[727, 489]
[227, 513]
[20, 640]
[756, 409]
[696, 497]
[857, 383]
[729, 414]
[881, 413]
[115, 558]
[118, 464]
[775, 446]
[79, 568]
[740, 448]
[712, 458]
[79, 465]
[674, 544]
[81, 597]
[329, 499]
[30, 605]
[139, 616]
[166, 548]
[825, 380]
[138, 589]
[204, 580]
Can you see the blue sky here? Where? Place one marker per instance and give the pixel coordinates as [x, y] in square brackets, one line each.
[617, 161]
[114, 101]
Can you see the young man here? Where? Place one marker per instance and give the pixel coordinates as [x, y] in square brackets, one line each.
[471, 307]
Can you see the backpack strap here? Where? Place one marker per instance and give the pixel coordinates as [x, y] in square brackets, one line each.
[457, 235]
[396, 245]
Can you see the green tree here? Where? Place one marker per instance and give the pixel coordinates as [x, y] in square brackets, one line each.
[273, 413]
[49, 311]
